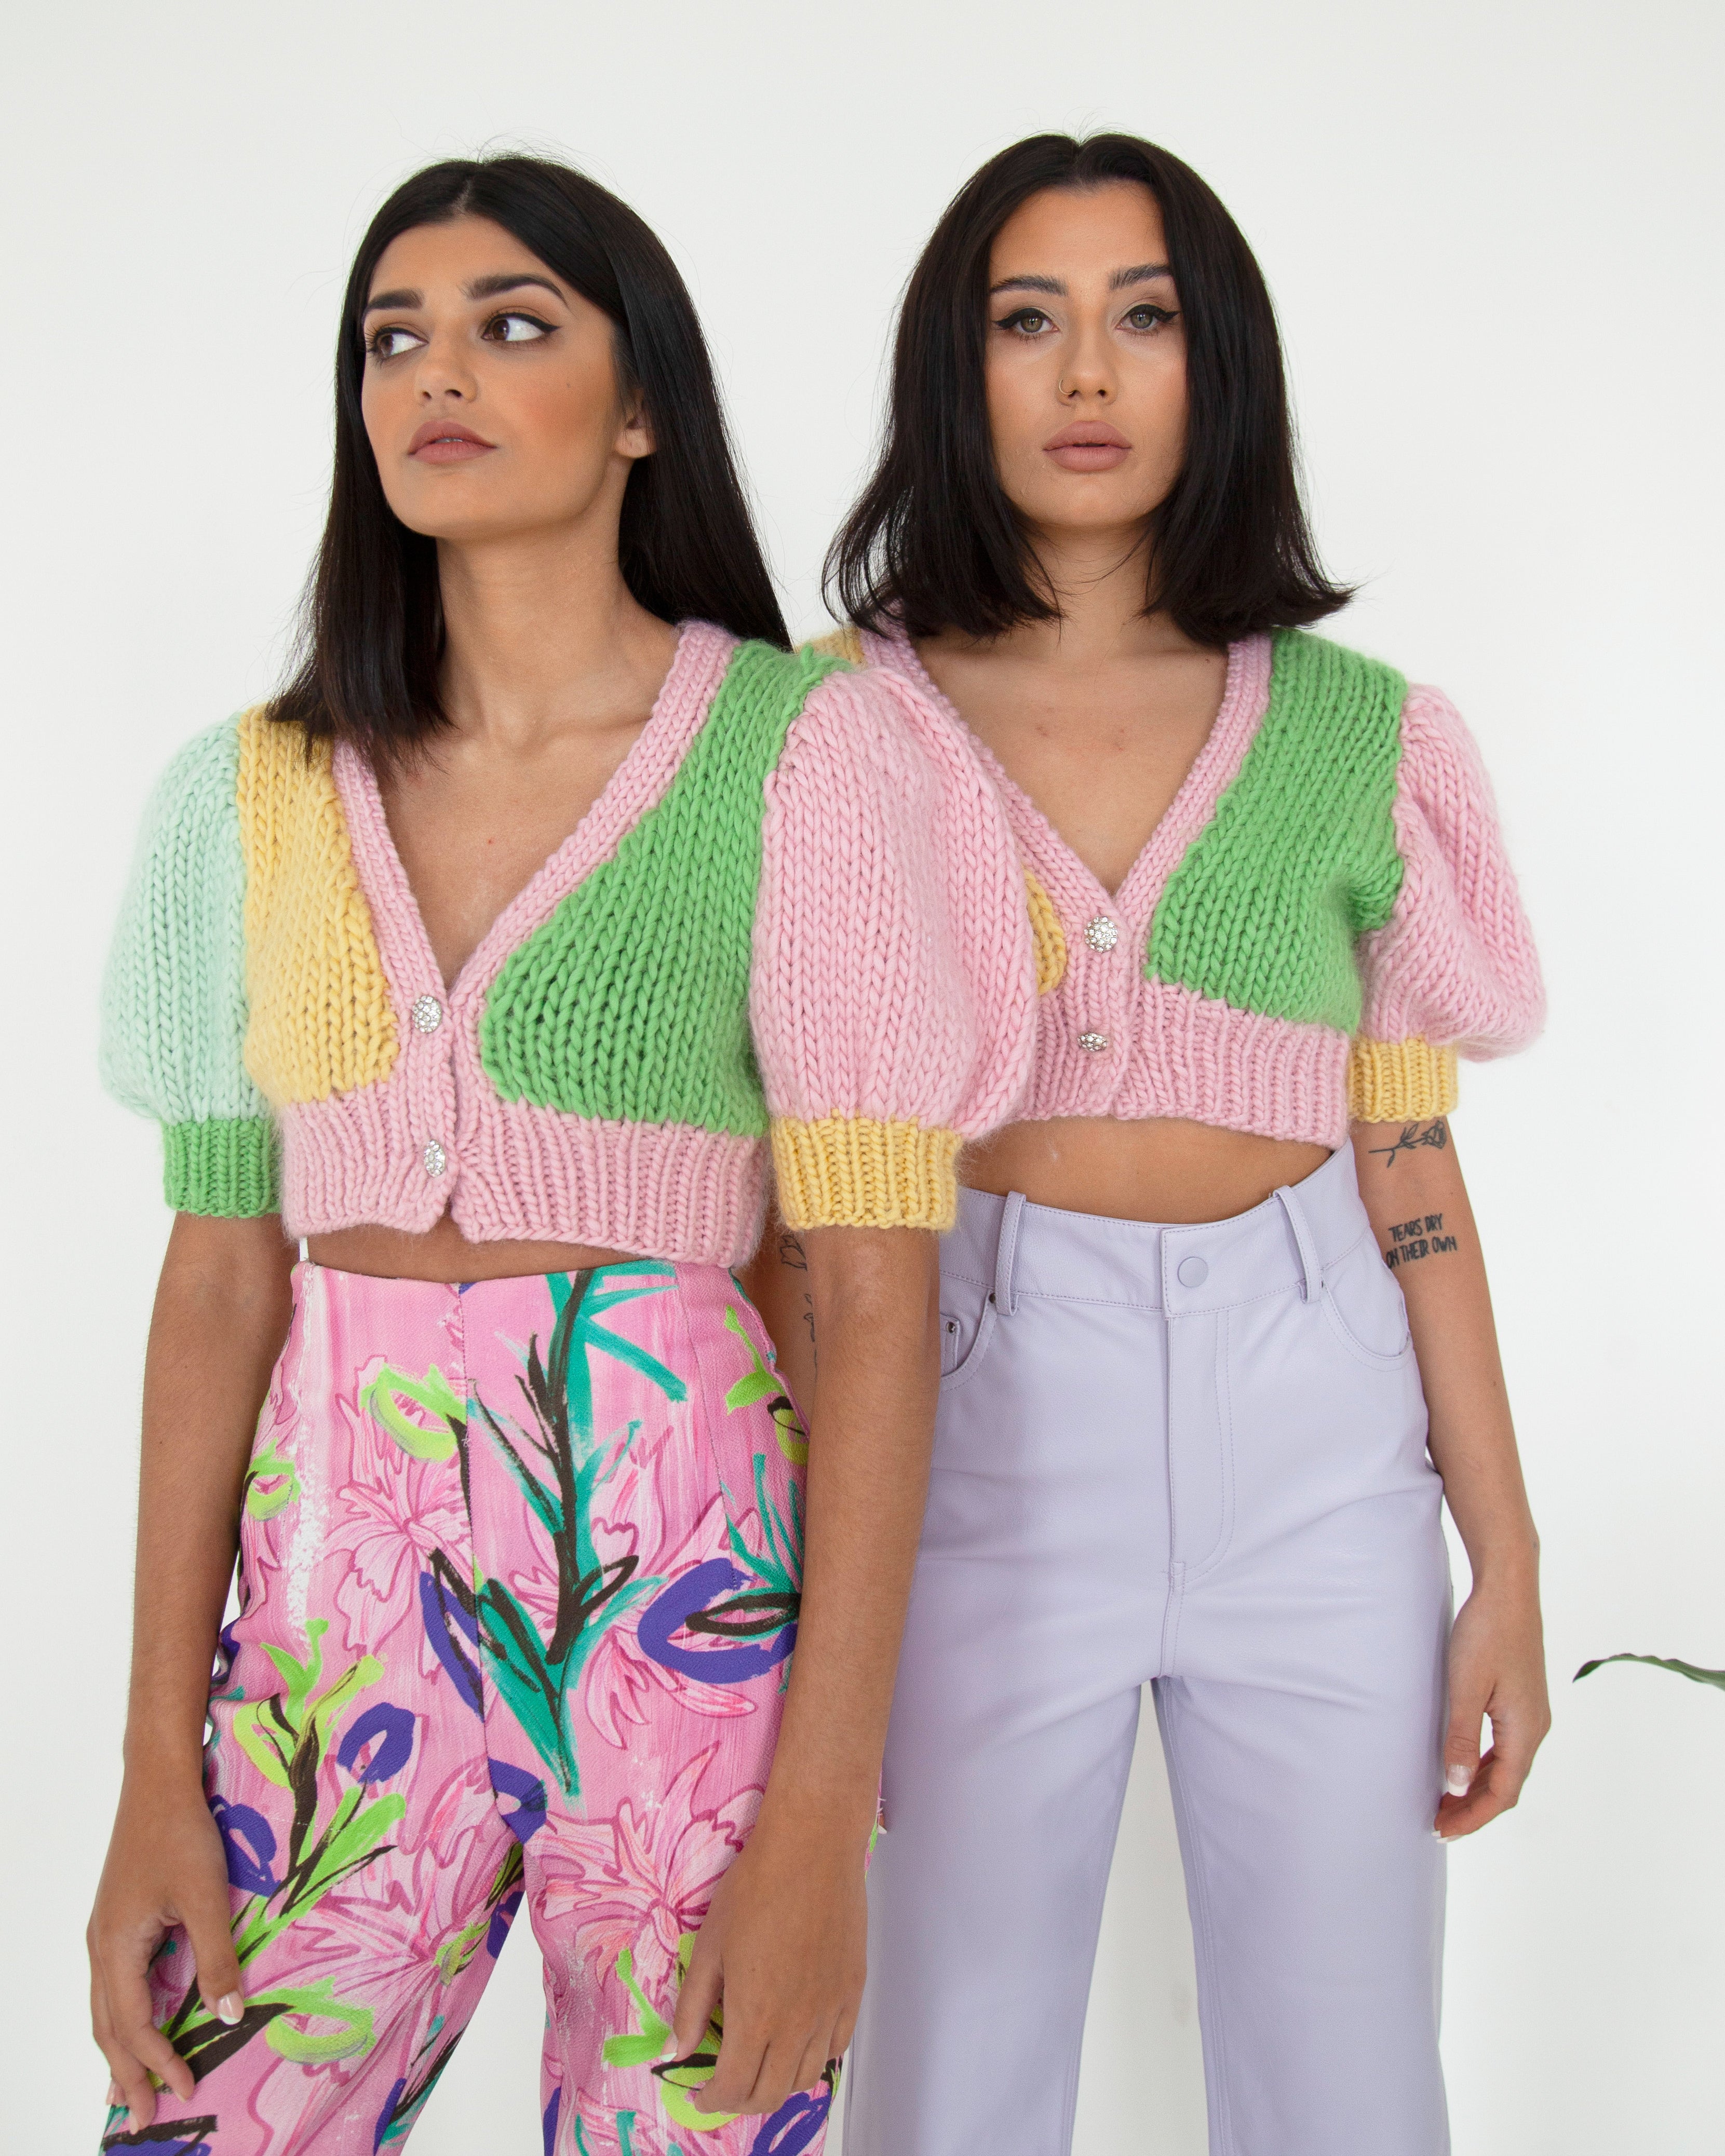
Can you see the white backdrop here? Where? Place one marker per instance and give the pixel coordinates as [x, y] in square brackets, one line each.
[1491, 232]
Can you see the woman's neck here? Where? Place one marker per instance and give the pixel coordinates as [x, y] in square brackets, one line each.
[541, 633]
[1097, 580]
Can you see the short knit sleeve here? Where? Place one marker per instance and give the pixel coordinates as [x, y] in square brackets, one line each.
[893, 1000]
[1453, 971]
[173, 1000]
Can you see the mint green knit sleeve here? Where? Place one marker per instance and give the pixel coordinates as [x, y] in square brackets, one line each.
[173, 999]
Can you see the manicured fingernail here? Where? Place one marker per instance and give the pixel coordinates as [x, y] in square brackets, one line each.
[670, 2051]
[231, 2007]
[1440, 1839]
[1458, 1781]
[116, 2095]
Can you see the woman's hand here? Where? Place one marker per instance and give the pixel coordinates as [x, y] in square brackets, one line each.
[165, 1868]
[784, 1950]
[1496, 1674]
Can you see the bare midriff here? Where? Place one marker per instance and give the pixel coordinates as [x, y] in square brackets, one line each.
[1162, 1169]
[444, 1253]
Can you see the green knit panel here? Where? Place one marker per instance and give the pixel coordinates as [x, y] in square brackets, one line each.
[225, 1167]
[631, 1003]
[1300, 859]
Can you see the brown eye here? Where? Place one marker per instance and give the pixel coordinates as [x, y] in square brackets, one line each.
[389, 344]
[1147, 317]
[515, 329]
[1027, 322]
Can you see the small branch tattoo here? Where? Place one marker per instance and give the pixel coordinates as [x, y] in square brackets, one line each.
[1413, 1138]
[791, 1253]
[1421, 1237]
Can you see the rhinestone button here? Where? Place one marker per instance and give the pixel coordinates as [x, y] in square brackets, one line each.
[1101, 933]
[1093, 1043]
[427, 1015]
[1192, 1272]
[435, 1158]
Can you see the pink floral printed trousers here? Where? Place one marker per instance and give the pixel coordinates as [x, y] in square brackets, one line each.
[519, 1574]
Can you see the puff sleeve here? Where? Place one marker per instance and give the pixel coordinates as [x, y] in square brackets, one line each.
[893, 995]
[174, 1011]
[1453, 971]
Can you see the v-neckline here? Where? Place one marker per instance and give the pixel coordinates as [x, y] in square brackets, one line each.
[1212, 771]
[697, 666]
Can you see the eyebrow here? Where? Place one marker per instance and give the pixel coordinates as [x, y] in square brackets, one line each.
[481, 288]
[1141, 273]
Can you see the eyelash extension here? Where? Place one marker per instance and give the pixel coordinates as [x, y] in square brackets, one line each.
[1149, 307]
[1018, 315]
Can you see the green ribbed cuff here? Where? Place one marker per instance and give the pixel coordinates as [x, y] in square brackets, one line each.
[225, 1167]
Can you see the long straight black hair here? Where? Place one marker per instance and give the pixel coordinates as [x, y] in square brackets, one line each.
[372, 634]
[933, 538]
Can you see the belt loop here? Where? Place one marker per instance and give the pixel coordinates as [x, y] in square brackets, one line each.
[1302, 1236]
[1005, 1252]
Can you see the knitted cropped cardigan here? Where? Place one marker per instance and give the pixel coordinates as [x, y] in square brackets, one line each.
[794, 914]
[1323, 920]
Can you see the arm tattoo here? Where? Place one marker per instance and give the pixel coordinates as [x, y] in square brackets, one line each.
[1421, 1237]
[1413, 1138]
[791, 1253]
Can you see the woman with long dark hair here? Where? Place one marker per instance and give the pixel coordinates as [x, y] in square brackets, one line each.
[490, 962]
[1211, 1367]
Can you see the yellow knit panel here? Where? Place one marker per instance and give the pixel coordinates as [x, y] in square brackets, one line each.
[1047, 937]
[1400, 1081]
[320, 1016]
[844, 642]
[854, 1172]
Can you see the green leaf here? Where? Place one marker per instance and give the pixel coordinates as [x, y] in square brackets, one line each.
[1714, 1677]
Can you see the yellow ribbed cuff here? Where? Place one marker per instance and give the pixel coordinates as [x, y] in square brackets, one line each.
[1400, 1081]
[854, 1172]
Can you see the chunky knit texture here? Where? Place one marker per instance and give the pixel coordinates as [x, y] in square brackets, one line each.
[174, 1003]
[658, 937]
[1323, 919]
[320, 1016]
[746, 933]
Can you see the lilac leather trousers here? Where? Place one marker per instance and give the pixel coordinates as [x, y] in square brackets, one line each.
[1192, 1456]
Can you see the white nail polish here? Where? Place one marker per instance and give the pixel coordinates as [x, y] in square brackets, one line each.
[670, 2051]
[1458, 1781]
[231, 2008]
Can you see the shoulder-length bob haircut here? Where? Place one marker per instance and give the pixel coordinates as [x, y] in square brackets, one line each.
[372, 634]
[933, 538]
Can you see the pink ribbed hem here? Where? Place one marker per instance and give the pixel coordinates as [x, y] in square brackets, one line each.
[659, 1190]
[1187, 1056]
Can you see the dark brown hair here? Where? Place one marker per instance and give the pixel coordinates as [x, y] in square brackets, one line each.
[933, 537]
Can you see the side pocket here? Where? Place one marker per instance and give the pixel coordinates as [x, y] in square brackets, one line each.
[1365, 1306]
[968, 1318]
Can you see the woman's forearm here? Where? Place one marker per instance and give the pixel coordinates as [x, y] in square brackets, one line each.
[874, 1298]
[222, 1311]
[1411, 1182]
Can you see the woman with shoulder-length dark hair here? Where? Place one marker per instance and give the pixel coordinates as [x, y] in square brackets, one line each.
[490, 962]
[1211, 1367]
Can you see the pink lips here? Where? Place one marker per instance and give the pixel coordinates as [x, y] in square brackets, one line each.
[1088, 445]
[445, 442]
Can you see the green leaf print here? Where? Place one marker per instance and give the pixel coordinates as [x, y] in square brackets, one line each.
[763, 1384]
[678, 2076]
[534, 1677]
[281, 1477]
[435, 1440]
[286, 1737]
